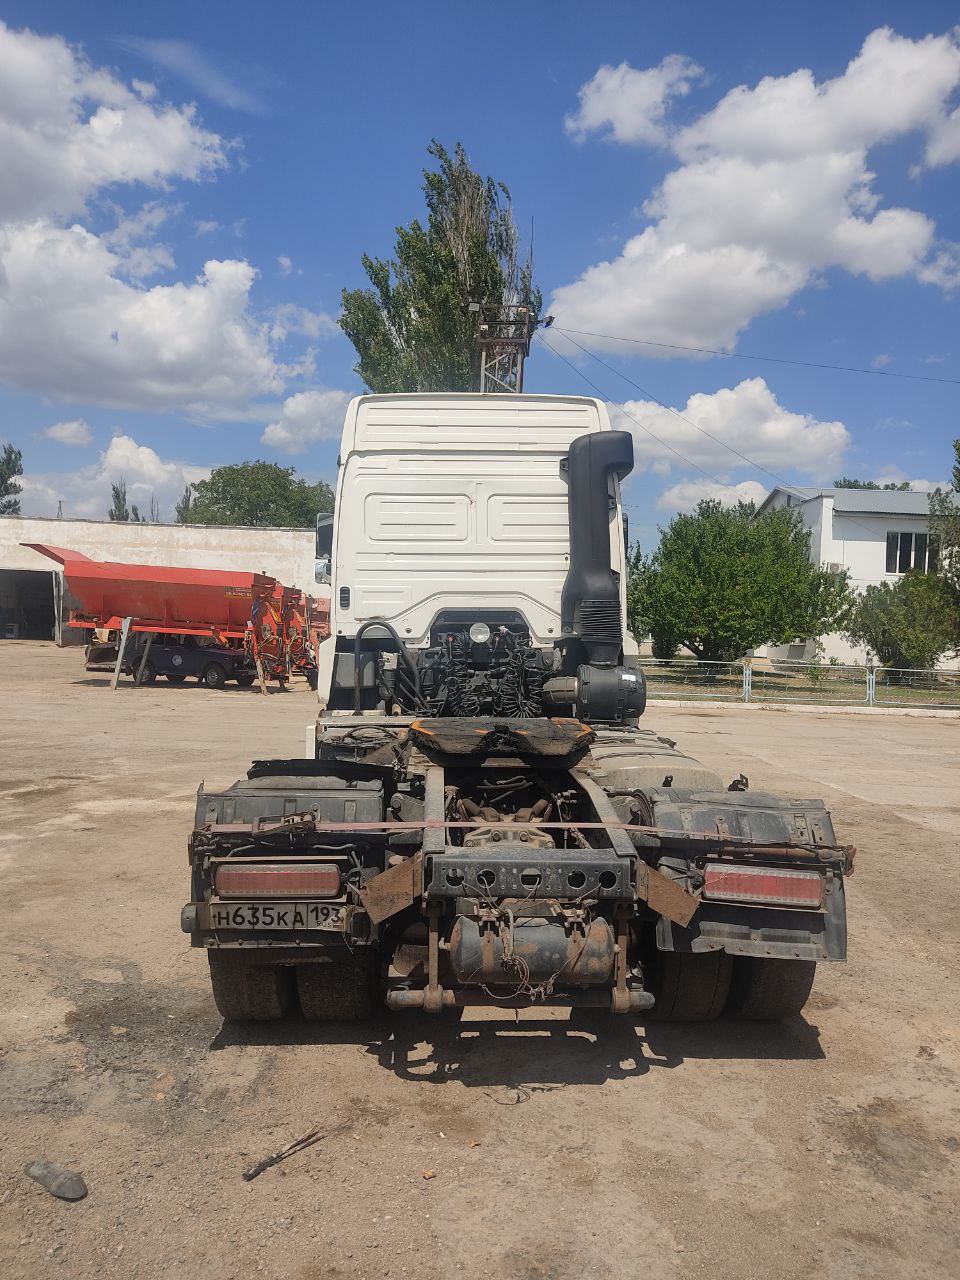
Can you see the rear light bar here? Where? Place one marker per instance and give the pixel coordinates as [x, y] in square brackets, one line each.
[776, 887]
[277, 880]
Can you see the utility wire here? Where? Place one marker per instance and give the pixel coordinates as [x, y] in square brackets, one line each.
[677, 414]
[742, 355]
[626, 412]
[784, 484]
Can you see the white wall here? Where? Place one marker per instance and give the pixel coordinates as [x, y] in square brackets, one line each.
[859, 543]
[284, 554]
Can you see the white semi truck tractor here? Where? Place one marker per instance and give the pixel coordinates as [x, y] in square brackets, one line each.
[480, 818]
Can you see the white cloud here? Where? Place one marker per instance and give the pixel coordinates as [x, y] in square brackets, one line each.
[186, 61]
[748, 418]
[289, 318]
[76, 433]
[133, 241]
[71, 327]
[881, 361]
[284, 264]
[68, 130]
[305, 418]
[75, 318]
[205, 227]
[895, 475]
[630, 105]
[773, 188]
[685, 495]
[86, 492]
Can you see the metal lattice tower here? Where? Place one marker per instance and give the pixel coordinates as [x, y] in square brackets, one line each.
[504, 340]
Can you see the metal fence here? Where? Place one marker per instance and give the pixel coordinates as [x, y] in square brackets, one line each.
[810, 683]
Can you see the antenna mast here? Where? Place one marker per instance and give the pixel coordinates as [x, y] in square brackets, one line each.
[504, 335]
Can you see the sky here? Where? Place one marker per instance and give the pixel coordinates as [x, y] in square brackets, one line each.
[188, 188]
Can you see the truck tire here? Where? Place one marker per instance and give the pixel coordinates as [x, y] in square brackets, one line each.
[340, 988]
[764, 988]
[214, 676]
[176, 677]
[245, 679]
[690, 986]
[245, 992]
[149, 673]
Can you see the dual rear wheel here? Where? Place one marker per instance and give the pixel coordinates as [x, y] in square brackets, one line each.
[697, 986]
[337, 987]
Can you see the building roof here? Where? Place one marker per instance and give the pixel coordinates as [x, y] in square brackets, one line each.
[887, 502]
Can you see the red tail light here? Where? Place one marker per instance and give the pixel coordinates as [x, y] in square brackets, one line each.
[278, 880]
[776, 887]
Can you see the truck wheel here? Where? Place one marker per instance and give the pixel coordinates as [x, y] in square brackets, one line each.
[763, 988]
[245, 992]
[214, 676]
[340, 988]
[690, 986]
[149, 674]
[176, 677]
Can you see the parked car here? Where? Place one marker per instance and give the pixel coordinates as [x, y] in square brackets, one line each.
[176, 657]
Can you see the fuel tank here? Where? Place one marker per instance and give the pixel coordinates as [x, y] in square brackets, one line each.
[531, 950]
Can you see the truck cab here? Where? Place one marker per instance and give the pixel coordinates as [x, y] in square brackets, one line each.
[453, 522]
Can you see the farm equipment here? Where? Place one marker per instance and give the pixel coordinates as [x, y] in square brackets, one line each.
[183, 621]
[481, 819]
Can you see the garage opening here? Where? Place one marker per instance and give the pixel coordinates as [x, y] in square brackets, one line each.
[27, 605]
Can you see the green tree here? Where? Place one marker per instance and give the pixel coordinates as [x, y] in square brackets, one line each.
[945, 522]
[725, 580]
[119, 511]
[11, 466]
[907, 624]
[945, 532]
[412, 330]
[845, 482]
[181, 512]
[255, 493]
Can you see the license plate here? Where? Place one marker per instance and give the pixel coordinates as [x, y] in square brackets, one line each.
[277, 915]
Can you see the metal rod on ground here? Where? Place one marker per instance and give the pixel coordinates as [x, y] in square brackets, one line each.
[143, 660]
[121, 649]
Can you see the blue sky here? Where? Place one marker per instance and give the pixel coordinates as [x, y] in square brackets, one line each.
[755, 178]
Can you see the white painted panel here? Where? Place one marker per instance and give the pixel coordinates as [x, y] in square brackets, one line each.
[416, 517]
[528, 518]
[379, 600]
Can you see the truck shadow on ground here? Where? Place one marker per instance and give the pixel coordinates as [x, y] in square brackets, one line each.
[586, 1049]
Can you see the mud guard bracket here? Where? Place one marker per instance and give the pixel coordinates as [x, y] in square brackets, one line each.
[394, 889]
[665, 896]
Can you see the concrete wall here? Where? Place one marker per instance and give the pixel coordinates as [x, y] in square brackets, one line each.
[285, 554]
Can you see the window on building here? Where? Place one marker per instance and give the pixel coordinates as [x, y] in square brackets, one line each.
[907, 551]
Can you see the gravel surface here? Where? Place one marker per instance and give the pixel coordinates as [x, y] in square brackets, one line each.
[557, 1146]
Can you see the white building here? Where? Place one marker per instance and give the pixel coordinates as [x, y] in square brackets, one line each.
[875, 534]
[29, 595]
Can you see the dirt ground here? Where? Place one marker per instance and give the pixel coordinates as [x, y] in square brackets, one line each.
[829, 1147]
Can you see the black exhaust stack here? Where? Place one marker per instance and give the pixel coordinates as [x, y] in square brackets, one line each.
[590, 603]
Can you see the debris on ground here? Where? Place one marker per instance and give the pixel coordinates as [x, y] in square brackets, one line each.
[292, 1149]
[65, 1184]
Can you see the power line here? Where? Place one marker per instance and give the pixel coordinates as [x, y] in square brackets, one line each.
[603, 396]
[784, 484]
[742, 355]
[677, 414]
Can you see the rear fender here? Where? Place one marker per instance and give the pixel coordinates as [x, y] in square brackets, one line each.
[774, 932]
